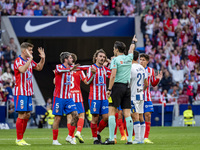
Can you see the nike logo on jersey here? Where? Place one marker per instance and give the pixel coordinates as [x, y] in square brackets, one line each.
[30, 28]
[86, 28]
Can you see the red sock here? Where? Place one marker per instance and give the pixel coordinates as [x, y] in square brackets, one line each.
[80, 124]
[148, 125]
[55, 134]
[121, 127]
[69, 128]
[116, 120]
[19, 128]
[71, 131]
[94, 129]
[125, 127]
[24, 125]
[102, 125]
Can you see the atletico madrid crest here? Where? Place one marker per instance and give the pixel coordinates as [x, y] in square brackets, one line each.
[22, 107]
[57, 110]
[94, 109]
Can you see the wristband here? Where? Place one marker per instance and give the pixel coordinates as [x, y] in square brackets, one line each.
[109, 90]
[133, 42]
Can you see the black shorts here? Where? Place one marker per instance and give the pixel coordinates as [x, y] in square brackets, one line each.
[120, 96]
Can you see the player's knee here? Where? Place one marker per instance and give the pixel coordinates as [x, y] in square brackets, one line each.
[148, 117]
[75, 116]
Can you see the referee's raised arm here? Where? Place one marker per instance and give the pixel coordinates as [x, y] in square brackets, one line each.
[133, 45]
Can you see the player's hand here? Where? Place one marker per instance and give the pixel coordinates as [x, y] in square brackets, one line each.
[160, 75]
[108, 94]
[134, 39]
[74, 67]
[41, 51]
[29, 54]
[54, 71]
[93, 70]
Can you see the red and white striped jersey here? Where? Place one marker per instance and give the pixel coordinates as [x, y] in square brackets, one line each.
[75, 90]
[23, 84]
[62, 82]
[151, 81]
[156, 95]
[98, 82]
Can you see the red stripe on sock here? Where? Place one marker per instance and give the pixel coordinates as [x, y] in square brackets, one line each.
[121, 127]
[147, 131]
[19, 128]
[71, 131]
[80, 124]
[55, 134]
[94, 129]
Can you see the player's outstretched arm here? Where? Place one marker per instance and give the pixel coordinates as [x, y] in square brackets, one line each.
[133, 45]
[23, 68]
[40, 65]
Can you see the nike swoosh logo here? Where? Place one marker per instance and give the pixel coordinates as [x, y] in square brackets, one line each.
[30, 28]
[85, 28]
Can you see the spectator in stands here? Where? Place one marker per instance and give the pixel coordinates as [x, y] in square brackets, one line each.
[56, 11]
[19, 7]
[49, 102]
[156, 94]
[12, 45]
[149, 29]
[177, 75]
[195, 86]
[8, 55]
[7, 75]
[28, 11]
[128, 8]
[190, 90]
[119, 10]
[166, 81]
[143, 26]
[37, 11]
[173, 91]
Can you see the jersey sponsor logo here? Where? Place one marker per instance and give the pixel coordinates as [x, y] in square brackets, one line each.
[68, 80]
[101, 81]
[86, 28]
[30, 28]
[29, 75]
[121, 62]
[70, 106]
[22, 104]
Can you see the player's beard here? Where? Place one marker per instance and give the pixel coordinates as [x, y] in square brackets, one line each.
[101, 61]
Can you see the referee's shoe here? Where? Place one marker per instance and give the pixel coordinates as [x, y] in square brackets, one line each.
[108, 142]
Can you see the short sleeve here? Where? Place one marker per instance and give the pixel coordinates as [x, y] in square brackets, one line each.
[82, 75]
[34, 64]
[145, 75]
[17, 64]
[113, 64]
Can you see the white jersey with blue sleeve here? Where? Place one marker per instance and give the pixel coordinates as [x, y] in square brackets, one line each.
[138, 75]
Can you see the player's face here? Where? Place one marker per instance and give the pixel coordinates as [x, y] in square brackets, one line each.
[30, 49]
[70, 60]
[143, 62]
[100, 59]
[115, 51]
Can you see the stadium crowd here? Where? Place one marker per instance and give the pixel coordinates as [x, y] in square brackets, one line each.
[171, 37]
[78, 8]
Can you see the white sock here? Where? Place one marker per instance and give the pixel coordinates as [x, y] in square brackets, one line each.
[115, 136]
[98, 132]
[95, 138]
[142, 130]
[69, 136]
[78, 132]
[137, 130]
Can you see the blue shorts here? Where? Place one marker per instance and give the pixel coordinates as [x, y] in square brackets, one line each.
[132, 107]
[23, 103]
[98, 106]
[63, 106]
[80, 107]
[148, 106]
[119, 108]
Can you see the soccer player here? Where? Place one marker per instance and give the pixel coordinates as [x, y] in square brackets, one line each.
[96, 77]
[62, 101]
[148, 106]
[23, 69]
[119, 85]
[77, 76]
[138, 84]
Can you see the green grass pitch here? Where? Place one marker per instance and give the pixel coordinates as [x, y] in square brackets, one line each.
[175, 138]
